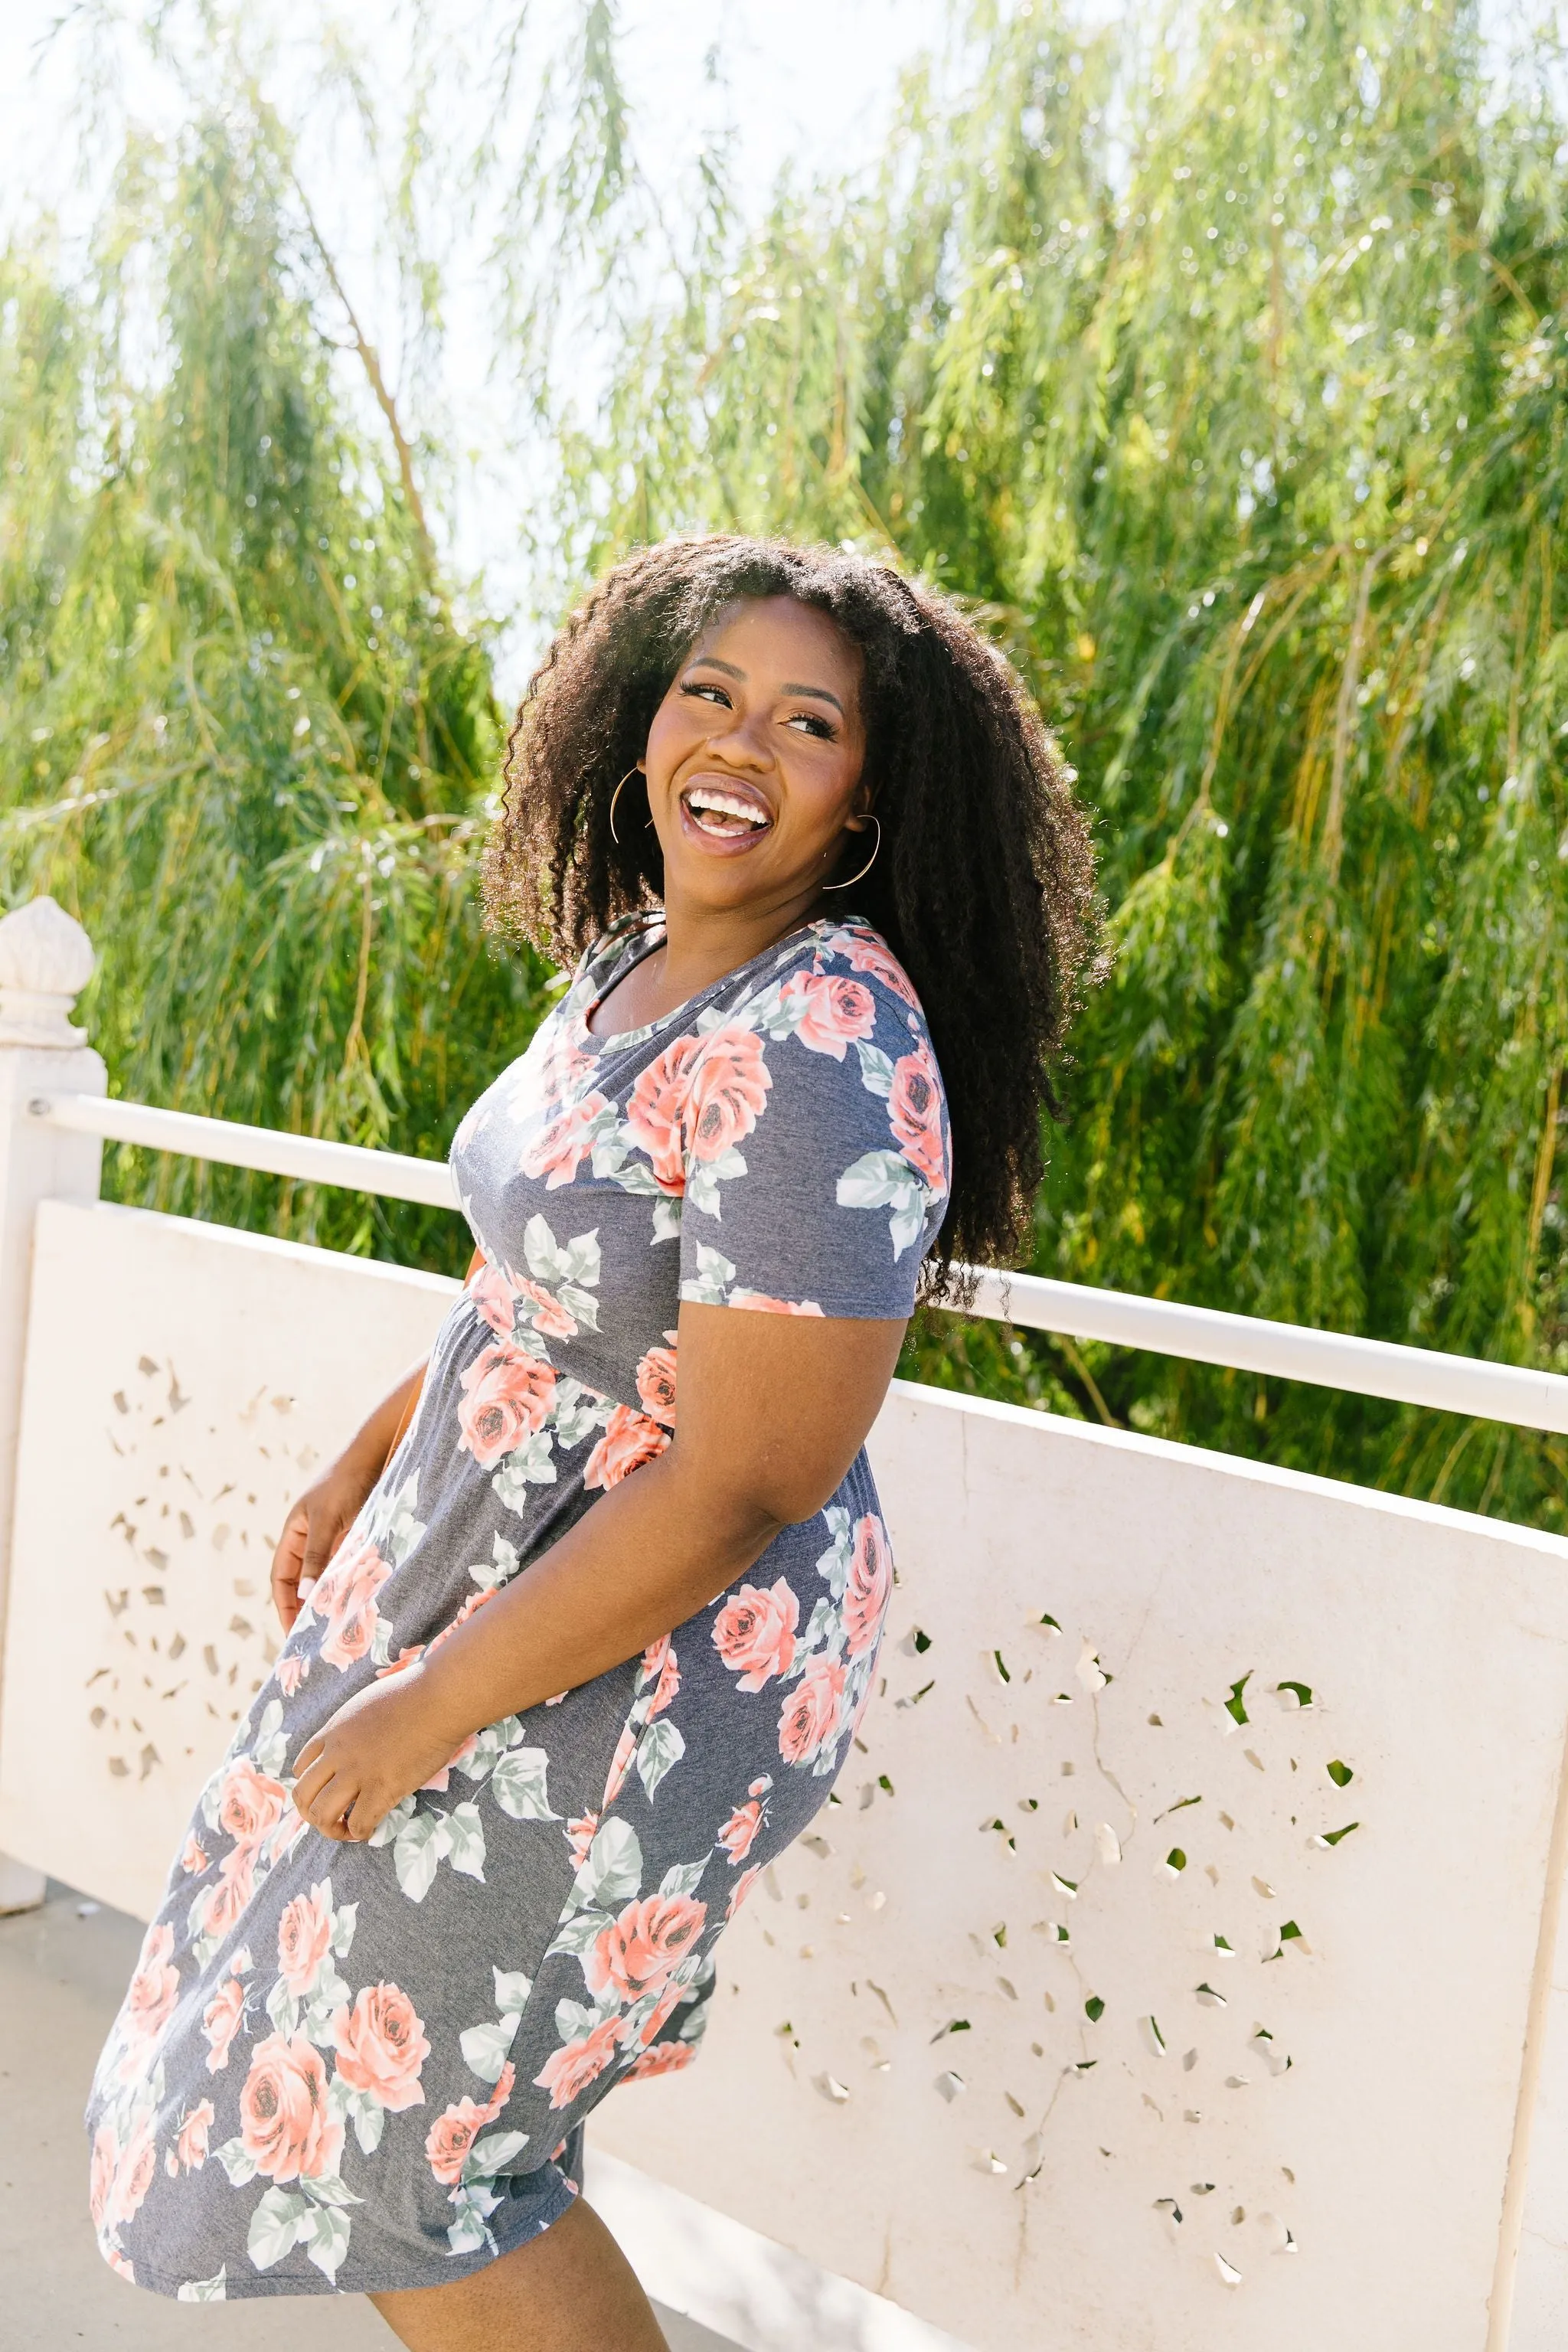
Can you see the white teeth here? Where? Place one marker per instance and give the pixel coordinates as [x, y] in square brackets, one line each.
[722, 804]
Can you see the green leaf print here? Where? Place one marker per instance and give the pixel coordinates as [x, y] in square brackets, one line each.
[493, 2153]
[578, 1262]
[580, 1932]
[683, 1877]
[416, 1852]
[328, 2188]
[275, 2227]
[324, 2234]
[395, 1823]
[875, 1070]
[518, 1785]
[612, 1870]
[532, 1464]
[207, 2290]
[466, 1841]
[237, 2161]
[512, 1989]
[709, 1284]
[369, 2122]
[660, 1747]
[485, 2047]
[881, 1180]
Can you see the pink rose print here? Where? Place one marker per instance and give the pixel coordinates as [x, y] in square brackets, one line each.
[571, 2069]
[580, 1836]
[761, 1304]
[121, 2264]
[754, 1634]
[660, 1659]
[453, 2132]
[637, 1951]
[292, 1670]
[662, 2012]
[664, 2058]
[134, 2177]
[808, 1720]
[866, 955]
[190, 2148]
[286, 2126]
[739, 1833]
[630, 1439]
[225, 1900]
[549, 1317]
[349, 1607]
[100, 2179]
[381, 2047]
[620, 1765]
[559, 1148]
[655, 1382]
[742, 1888]
[869, 1582]
[248, 1802]
[493, 1298]
[304, 1940]
[730, 1085]
[154, 1988]
[834, 1013]
[508, 1394]
[193, 1854]
[656, 1115]
[401, 1664]
[914, 1112]
[224, 2016]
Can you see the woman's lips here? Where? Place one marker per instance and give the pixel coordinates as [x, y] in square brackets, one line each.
[725, 816]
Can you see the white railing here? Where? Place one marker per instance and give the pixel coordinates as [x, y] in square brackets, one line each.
[1204, 1335]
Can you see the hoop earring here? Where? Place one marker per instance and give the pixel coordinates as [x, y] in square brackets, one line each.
[866, 868]
[614, 796]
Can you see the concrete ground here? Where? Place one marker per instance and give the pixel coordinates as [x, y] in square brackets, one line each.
[63, 1970]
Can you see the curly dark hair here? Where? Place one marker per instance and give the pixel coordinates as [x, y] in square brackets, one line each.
[985, 884]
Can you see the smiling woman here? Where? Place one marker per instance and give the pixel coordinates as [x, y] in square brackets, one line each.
[569, 1660]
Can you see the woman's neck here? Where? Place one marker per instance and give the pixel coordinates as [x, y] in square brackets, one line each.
[702, 944]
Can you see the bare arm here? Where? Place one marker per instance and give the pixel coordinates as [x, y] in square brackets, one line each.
[774, 1409]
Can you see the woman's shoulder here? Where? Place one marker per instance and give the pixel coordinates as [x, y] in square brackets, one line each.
[851, 946]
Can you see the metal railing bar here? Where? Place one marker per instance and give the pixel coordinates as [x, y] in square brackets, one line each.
[1286, 1351]
[1204, 1335]
[306, 1158]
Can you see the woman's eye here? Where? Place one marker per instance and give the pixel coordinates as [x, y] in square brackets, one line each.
[821, 728]
[700, 687]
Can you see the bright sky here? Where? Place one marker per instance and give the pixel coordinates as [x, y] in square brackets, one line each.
[809, 84]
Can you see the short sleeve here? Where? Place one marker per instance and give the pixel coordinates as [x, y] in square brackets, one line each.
[816, 1149]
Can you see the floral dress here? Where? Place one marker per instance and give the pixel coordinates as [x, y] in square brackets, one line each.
[366, 2067]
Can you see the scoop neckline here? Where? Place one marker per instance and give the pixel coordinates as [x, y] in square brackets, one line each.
[655, 940]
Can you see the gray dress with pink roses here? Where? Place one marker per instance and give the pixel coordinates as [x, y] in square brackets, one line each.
[367, 2067]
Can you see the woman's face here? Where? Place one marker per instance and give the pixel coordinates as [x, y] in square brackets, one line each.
[755, 757]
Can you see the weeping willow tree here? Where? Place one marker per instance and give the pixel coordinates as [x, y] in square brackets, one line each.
[243, 736]
[1225, 377]
[1231, 385]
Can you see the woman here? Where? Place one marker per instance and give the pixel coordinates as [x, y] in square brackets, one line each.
[558, 1683]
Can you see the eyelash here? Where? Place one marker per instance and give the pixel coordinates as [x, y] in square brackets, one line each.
[823, 729]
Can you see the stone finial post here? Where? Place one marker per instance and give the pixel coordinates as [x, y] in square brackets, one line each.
[45, 959]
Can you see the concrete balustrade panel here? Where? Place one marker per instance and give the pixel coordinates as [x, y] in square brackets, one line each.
[1089, 2019]
[1161, 1976]
[185, 1382]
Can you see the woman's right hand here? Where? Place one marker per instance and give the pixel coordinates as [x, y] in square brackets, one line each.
[313, 1529]
[325, 1512]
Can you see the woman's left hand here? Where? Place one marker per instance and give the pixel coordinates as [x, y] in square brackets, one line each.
[381, 1745]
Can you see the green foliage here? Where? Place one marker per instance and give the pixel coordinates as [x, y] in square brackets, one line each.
[1226, 377]
[242, 735]
[1232, 389]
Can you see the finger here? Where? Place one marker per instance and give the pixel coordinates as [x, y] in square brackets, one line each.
[322, 1536]
[286, 1564]
[315, 1747]
[365, 1817]
[309, 1791]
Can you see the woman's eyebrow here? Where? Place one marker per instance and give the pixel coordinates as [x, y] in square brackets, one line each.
[712, 661]
[817, 694]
